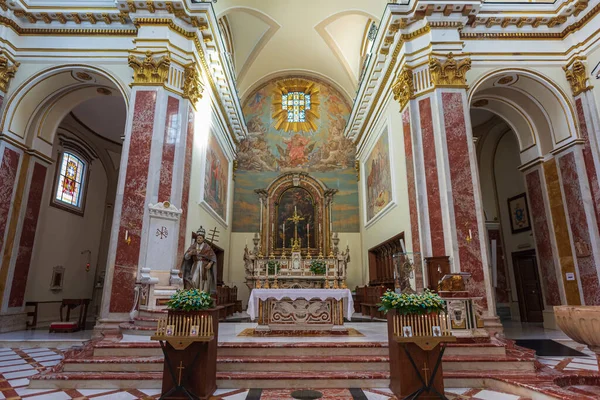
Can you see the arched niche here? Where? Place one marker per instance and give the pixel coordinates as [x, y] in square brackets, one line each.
[311, 198]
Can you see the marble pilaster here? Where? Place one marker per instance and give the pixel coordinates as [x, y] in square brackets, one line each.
[153, 190]
[540, 218]
[27, 235]
[412, 199]
[185, 191]
[449, 203]
[561, 232]
[582, 221]
[9, 165]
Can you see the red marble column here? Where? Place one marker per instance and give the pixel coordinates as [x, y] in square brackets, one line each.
[436, 226]
[584, 232]
[412, 199]
[592, 164]
[133, 202]
[168, 150]
[27, 238]
[540, 217]
[9, 164]
[449, 201]
[189, 138]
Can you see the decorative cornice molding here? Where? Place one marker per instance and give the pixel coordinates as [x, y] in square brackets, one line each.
[192, 85]
[577, 76]
[7, 72]
[449, 72]
[150, 70]
[403, 88]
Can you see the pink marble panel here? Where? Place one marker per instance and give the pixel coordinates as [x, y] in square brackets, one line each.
[501, 281]
[8, 176]
[463, 192]
[185, 193]
[134, 199]
[27, 239]
[541, 222]
[412, 196]
[579, 229]
[172, 126]
[431, 177]
[588, 158]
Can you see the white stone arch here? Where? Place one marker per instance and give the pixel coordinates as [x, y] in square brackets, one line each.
[35, 108]
[535, 107]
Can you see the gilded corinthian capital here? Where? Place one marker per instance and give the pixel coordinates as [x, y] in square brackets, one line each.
[577, 77]
[6, 73]
[403, 87]
[150, 70]
[192, 86]
[449, 72]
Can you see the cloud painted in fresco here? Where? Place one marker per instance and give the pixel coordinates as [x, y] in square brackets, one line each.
[326, 154]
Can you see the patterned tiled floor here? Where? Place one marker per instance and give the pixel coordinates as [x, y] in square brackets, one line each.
[17, 365]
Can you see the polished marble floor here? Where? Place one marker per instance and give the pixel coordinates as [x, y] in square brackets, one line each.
[19, 361]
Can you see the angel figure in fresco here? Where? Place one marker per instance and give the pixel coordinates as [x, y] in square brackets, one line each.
[296, 152]
[253, 153]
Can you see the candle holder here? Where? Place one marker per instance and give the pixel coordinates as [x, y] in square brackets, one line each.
[258, 285]
[344, 286]
[275, 284]
[266, 285]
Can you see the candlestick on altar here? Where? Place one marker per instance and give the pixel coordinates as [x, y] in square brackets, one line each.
[307, 236]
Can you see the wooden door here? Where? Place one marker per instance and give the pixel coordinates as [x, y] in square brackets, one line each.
[529, 290]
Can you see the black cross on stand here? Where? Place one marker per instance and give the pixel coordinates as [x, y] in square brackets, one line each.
[427, 382]
[180, 385]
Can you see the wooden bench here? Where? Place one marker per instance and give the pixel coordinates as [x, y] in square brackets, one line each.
[65, 325]
[372, 299]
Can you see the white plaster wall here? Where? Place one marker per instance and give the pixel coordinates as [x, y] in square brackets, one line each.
[198, 213]
[594, 66]
[397, 218]
[510, 182]
[61, 236]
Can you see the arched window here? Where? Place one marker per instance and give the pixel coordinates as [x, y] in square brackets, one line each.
[70, 182]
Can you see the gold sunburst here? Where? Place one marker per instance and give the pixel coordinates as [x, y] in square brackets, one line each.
[311, 112]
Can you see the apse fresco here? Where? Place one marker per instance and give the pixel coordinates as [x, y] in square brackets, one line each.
[215, 182]
[324, 153]
[378, 185]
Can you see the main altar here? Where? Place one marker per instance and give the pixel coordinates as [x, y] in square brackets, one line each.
[296, 247]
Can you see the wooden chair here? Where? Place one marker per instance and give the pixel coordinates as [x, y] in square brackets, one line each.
[237, 303]
[67, 326]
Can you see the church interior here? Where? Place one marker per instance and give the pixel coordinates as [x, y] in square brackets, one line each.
[294, 165]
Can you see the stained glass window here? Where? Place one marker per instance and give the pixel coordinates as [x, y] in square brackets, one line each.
[296, 104]
[70, 180]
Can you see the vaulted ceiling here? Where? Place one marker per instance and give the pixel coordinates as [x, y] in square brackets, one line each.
[323, 38]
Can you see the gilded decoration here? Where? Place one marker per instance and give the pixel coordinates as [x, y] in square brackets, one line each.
[6, 73]
[403, 88]
[150, 70]
[309, 97]
[449, 72]
[192, 86]
[577, 77]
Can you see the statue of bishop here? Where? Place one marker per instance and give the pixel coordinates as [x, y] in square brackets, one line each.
[199, 264]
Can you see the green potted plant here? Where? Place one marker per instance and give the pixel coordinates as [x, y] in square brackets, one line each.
[272, 267]
[427, 302]
[318, 267]
[190, 301]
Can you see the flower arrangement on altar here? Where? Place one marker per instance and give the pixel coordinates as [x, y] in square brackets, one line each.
[412, 303]
[190, 300]
[273, 267]
[318, 267]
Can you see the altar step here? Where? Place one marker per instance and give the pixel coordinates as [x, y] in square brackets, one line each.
[276, 364]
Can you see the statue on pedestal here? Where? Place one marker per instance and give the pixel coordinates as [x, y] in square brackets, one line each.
[199, 264]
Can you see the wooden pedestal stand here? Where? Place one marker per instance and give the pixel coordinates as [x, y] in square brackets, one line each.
[416, 354]
[189, 345]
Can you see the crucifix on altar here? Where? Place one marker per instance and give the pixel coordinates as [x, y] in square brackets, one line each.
[296, 242]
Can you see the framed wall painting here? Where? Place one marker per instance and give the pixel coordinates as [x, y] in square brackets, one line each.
[519, 214]
[378, 180]
[215, 190]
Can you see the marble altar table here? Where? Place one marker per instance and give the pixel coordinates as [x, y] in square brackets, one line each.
[300, 309]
